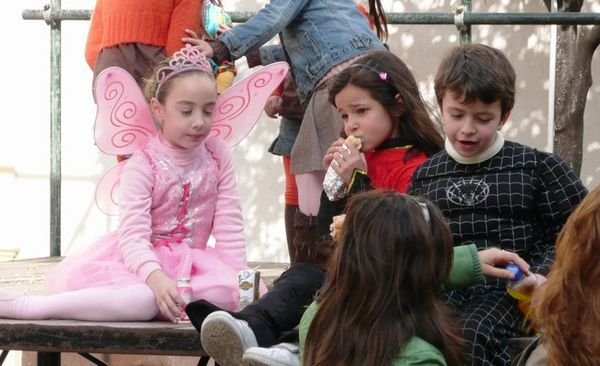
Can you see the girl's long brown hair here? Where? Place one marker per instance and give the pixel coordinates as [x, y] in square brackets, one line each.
[377, 13]
[411, 116]
[383, 283]
[567, 309]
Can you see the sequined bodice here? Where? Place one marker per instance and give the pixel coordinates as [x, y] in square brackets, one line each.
[184, 194]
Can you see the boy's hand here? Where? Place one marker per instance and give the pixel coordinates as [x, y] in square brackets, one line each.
[165, 292]
[493, 261]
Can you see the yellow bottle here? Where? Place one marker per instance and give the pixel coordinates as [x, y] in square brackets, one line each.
[521, 287]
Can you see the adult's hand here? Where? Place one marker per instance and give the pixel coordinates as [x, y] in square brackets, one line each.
[273, 106]
[199, 43]
[223, 28]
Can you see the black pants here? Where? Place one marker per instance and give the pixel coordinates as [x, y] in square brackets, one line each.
[487, 317]
[279, 310]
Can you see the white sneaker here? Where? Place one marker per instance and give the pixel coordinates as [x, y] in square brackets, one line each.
[282, 354]
[225, 338]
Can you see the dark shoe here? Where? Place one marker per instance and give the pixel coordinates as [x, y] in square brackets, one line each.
[198, 310]
[309, 247]
[289, 214]
[305, 236]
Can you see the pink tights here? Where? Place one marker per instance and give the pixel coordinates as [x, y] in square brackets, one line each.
[131, 303]
[310, 186]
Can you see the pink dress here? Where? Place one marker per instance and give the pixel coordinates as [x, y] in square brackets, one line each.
[171, 201]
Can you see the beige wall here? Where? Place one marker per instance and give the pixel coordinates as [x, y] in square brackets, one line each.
[24, 143]
[422, 47]
[528, 48]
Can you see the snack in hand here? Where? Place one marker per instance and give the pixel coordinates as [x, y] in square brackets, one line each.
[333, 184]
[353, 141]
[335, 228]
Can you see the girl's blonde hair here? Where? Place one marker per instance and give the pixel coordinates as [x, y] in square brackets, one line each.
[567, 307]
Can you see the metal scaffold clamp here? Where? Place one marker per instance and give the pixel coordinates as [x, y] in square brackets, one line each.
[459, 18]
[47, 15]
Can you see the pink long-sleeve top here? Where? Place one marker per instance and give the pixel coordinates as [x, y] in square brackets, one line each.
[152, 192]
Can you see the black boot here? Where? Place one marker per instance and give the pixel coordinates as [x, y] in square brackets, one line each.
[305, 236]
[289, 213]
[309, 246]
[278, 311]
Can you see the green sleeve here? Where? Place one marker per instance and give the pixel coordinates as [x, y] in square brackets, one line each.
[307, 318]
[466, 269]
[418, 352]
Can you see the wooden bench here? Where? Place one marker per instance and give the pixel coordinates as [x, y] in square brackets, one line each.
[51, 337]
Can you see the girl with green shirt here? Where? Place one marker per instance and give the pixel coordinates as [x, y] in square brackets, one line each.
[379, 305]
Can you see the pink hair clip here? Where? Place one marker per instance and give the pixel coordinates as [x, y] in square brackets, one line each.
[187, 58]
[382, 74]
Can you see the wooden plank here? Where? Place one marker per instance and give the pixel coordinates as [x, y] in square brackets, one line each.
[153, 338]
[26, 273]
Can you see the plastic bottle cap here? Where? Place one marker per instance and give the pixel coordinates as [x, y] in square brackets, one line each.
[183, 281]
[518, 274]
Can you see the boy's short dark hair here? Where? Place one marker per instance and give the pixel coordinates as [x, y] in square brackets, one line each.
[477, 72]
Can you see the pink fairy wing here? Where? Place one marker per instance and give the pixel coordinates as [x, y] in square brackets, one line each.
[239, 107]
[123, 125]
[123, 120]
[107, 190]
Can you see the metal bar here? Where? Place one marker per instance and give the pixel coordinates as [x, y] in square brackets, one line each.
[3, 356]
[48, 358]
[465, 29]
[93, 359]
[55, 131]
[470, 18]
[58, 14]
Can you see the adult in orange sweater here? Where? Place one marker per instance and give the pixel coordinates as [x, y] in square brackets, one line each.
[137, 34]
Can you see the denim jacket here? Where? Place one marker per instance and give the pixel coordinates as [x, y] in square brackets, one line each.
[317, 34]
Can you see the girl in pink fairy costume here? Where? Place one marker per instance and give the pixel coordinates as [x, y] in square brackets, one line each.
[175, 191]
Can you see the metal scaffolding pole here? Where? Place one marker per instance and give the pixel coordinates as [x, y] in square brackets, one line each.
[463, 28]
[469, 18]
[55, 127]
